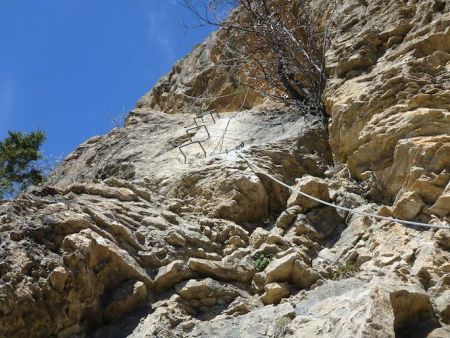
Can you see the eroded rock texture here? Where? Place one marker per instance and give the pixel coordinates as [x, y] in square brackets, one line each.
[389, 97]
[204, 73]
[128, 240]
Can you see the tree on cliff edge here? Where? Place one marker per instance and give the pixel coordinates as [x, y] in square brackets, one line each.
[19, 153]
[279, 45]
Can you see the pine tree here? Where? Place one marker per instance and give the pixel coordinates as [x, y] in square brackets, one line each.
[18, 155]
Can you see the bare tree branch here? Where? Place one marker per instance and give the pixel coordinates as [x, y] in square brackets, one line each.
[278, 48]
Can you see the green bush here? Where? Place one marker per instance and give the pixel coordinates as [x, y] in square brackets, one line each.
[262, 261]
[18, 155]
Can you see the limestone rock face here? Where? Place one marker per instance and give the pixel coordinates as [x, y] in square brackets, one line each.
[200, 74]
[130, 237]
[389, 96]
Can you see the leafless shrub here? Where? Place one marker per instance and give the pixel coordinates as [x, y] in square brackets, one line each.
[118, 120]
[50, 163]
[280, 45]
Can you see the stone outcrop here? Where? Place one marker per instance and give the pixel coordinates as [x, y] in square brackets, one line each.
[312, 186]
[204, 73]
[274, 292]
[388, 96]
[128, 240]
[171, 274]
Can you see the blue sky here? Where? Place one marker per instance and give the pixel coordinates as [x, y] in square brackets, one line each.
[66, 66]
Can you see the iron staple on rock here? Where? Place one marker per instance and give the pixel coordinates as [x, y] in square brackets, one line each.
[197, 127]
[188, 144]
[201, 115]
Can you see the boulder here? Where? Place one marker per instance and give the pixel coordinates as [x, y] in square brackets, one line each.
[310, 185]
[176, 239]
[220, 270]
[58, 278]
[237, 241]
[319, 223]
[408, 206]
[279, 270]
[302, 275]
[171, 274]
[73, 256]
[274, 292]
[258, 237]
[277, 240]
[288, 268]
[442, 206]
[207, 292]
[288, 216]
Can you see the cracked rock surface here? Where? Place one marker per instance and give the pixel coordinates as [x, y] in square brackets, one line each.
[128, 240]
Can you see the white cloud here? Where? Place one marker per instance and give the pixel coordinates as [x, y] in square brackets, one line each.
[158, 30]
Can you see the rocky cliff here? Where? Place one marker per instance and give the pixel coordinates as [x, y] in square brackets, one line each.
[129, 240]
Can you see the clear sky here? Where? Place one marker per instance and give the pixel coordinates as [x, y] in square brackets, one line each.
[67, 65]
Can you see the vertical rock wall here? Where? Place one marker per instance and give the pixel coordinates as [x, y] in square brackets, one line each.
[389, 97]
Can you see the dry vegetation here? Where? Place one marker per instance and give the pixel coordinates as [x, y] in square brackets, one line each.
[279, 47]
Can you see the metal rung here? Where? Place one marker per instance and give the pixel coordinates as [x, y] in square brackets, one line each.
[188, 144]
[197, 128]
[202, 116]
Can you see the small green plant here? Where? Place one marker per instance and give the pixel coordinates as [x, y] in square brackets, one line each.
[282, 322]
[347, 270]
[281, 326]
[262, 261]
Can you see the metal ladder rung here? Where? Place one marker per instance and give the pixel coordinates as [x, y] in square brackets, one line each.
[202, 115]
[188, 144]
[197, 128]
